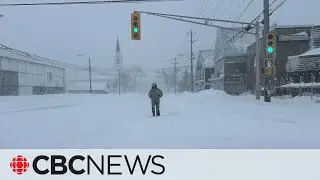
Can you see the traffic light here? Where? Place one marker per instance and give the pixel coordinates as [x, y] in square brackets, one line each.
[270, 44]
[135, 26]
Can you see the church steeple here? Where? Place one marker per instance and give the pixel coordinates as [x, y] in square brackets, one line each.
[118, 57]
[118, 45]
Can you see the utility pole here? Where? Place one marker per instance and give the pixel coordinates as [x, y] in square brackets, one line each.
[175, 75]
[266, 23]
[258, 89]
[191, 57]
[90, 80]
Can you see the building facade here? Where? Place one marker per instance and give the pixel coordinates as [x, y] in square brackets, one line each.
[225, 45]
[304, 68]
[289, 41]
[22, 75]
[230, 74]
[204, 69]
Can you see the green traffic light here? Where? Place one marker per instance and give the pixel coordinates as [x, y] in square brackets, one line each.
[135, 29]
[270, 49]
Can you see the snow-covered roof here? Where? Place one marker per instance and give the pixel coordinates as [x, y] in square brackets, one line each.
[312, 52]
[206, 57]
[297, 85]
[301, 34]
[13, 54]
[291, 26]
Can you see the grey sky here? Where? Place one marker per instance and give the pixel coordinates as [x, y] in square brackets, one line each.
[62, 32]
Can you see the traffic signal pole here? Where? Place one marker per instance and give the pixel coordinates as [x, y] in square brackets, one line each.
[266, 23]
[257, 89]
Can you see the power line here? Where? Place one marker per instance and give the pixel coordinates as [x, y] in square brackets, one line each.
[208, 5]
[199, 11]
[245, 9]
[278, 6]
[81, 2]
[243, 32]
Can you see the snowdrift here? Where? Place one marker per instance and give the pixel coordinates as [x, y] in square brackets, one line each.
[208, 119]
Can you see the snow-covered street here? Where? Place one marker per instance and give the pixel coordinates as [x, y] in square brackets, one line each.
[209, 119]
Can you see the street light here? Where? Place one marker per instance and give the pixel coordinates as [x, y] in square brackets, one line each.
[89, 61]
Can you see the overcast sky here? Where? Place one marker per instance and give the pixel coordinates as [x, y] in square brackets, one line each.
[61, 32]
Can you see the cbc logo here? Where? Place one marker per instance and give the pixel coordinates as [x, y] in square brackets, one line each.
[19, 165]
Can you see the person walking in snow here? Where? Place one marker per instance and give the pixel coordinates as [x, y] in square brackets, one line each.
[155, 94]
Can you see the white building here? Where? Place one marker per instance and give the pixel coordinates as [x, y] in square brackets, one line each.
[21, 74]
[227, 43]
[204, 68]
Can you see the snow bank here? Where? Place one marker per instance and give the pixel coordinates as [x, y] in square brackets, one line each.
[208, 119]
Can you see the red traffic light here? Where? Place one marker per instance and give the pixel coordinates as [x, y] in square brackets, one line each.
[270, 36]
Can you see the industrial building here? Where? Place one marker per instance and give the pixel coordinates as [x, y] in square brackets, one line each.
[20, 74]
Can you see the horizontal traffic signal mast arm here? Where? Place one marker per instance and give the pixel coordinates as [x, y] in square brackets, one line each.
[199, 18]
[82, 2]
[195, 22]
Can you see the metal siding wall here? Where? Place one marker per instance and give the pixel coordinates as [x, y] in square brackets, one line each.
[5, 64]
[30, 75]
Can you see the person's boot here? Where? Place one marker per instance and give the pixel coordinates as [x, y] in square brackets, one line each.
[153, 113]
[158, 113]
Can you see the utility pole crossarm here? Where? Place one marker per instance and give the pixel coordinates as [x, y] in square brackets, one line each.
[204, 24]
[198, 18]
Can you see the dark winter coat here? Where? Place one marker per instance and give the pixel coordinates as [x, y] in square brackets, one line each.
[155, 94]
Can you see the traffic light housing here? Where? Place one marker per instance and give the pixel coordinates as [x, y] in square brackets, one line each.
[270, 44]
[135, 26]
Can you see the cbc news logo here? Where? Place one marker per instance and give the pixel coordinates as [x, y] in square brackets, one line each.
[103, 164]
[19, 164]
